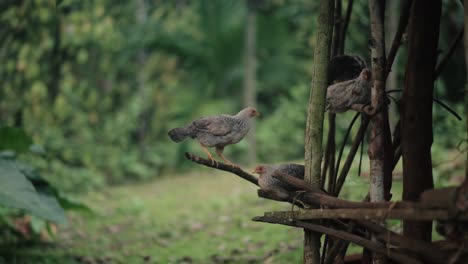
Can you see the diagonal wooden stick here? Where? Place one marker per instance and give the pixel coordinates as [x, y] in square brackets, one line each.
[222, 166]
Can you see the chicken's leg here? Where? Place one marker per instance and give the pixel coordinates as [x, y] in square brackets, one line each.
[213, 161]
[219, 152]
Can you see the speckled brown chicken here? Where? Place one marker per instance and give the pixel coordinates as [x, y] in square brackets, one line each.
[217, 131]
[352, 94]
[267, 182]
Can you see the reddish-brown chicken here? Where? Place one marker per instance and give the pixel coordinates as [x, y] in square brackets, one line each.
[217, 131]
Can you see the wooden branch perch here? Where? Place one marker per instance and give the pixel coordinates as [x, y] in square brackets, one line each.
[366, 213]
[318, 197]
[297, 183]
[374, 246]
[222, 166]
[272, 196]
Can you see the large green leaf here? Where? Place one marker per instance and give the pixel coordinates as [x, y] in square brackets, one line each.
[17, 191]
[12, 138]
[43, 187]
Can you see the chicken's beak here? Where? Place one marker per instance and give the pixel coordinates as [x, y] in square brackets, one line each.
[256, 170]
[257, 114]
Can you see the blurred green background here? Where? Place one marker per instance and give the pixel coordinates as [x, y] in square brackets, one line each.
[97, 84]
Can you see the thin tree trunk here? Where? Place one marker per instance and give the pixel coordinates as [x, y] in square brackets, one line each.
[250, 77]
[344, 26]
[377, 122]
[376, 144]
[390, 31]
[416, 120]
[56, 62]
[315, 116]
[141, 14]
[335, 46]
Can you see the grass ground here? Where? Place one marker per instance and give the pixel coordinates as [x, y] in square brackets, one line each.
[203, 217]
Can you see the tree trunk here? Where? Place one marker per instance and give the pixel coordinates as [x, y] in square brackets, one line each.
[250, 77]
[56, 62]
[465, 2]
[144, 118]
[315, 116]
[416, 119]
[390, 30]
[379, 122]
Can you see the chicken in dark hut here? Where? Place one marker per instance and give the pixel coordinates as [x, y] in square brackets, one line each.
[217, 131]
[267, 182]
[352, 94]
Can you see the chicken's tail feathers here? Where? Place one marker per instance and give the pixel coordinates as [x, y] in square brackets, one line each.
[178, 134]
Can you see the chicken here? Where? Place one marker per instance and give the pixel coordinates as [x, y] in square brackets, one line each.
[352, 94]
[269, 183]
[217, 131]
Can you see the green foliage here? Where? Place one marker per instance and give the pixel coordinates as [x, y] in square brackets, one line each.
[99, 83]
[14, 139]
[24, 191]
[16, 191]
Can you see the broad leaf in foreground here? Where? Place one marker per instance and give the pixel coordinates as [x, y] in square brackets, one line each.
[17, 191]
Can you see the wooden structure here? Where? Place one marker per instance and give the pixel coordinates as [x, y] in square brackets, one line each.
[351, 221]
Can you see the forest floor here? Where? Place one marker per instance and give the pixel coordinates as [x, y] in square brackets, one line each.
[202, 217]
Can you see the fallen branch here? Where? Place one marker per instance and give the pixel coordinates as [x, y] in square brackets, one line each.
[374, 246]
[222, 166]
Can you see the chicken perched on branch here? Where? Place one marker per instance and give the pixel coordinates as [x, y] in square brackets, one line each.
[353, 94]
[217, 131]
[267, 182]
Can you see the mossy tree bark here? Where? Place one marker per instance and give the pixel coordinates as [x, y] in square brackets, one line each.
[416, 112]
[315, 116]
